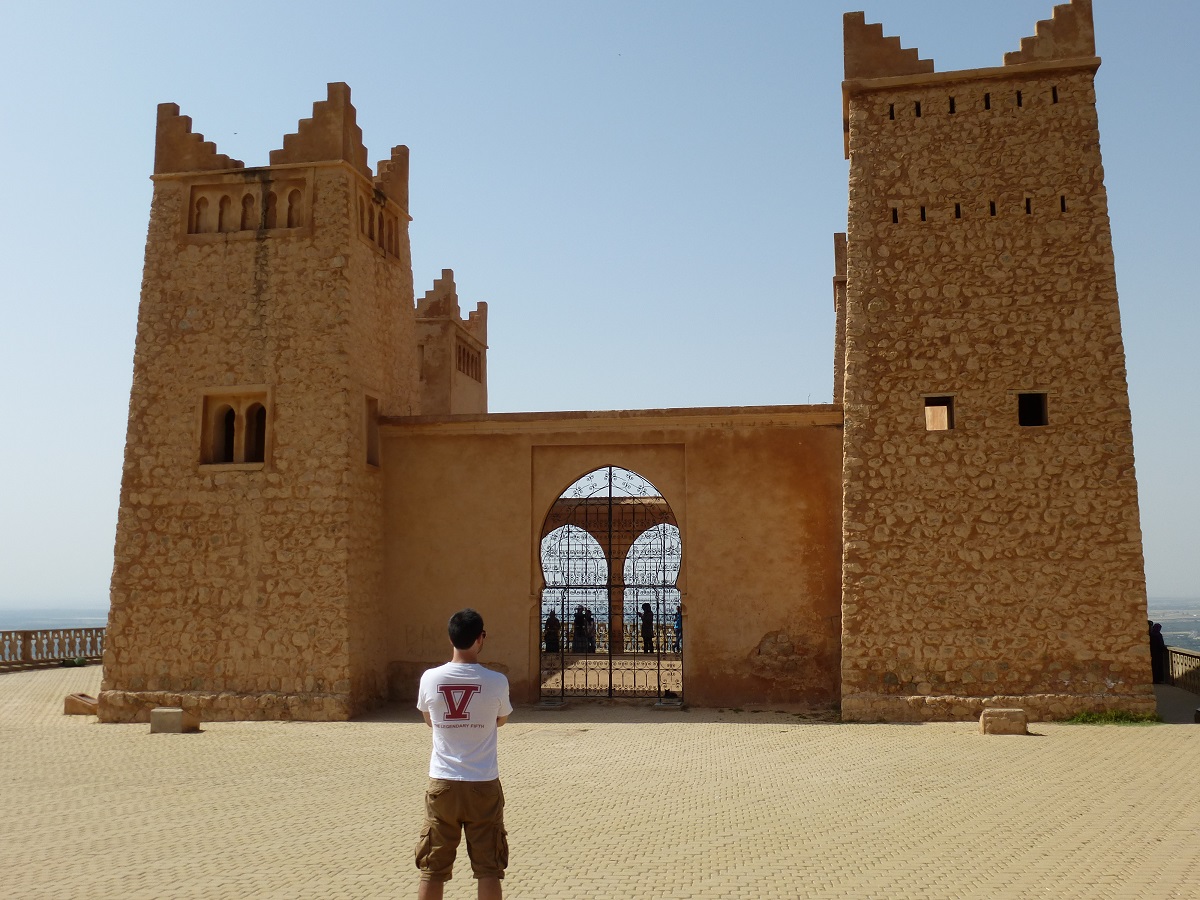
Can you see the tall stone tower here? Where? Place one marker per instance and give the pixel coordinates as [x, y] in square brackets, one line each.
[276, 325]
[992, 546]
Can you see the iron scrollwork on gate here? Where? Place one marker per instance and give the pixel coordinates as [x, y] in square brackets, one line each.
[610, 625]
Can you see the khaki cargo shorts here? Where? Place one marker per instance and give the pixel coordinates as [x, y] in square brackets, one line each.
[451, 807]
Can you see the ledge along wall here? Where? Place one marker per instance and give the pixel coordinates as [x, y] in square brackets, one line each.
[756, 493]
[991, 561]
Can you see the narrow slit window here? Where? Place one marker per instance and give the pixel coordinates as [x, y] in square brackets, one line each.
[224, 424]
[1054, 94]
[1019, 103]
[256, 433]
[1031, 409]
[917, 108]
[958, 210]
[372, 413]
[892, 111]
[895, 216]
[1028, 206]
[951, 106]
[1062, 203]
[987, 101]
[922, 214]
[939, 413]
[991, 207]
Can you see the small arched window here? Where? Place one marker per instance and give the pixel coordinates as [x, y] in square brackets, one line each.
[256, 433]
[224, 219]
[381, 237]
[235, 429]
[249, 219]
[294, 213]
[224, 427]
[200, 216]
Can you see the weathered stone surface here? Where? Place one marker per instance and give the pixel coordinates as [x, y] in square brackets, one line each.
[172, 720]
[79, 705]
[991, 558]
[1002, 721]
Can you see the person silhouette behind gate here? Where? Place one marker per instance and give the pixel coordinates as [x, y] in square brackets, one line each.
[579, 631]
[647, 617]
[551, 633]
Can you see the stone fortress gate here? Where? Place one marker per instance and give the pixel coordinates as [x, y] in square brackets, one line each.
[312, 481]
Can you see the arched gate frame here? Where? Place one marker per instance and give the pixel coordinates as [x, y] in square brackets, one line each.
[610, 554]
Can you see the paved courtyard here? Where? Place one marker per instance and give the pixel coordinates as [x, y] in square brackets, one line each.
[604, 801]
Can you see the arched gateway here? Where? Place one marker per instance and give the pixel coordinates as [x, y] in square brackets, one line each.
[610, 553]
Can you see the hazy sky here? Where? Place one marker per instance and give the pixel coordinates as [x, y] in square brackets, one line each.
[660, 179]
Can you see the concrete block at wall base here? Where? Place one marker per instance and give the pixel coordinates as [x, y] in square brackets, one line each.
[79, 705]
[1002, 721]
[172, 720]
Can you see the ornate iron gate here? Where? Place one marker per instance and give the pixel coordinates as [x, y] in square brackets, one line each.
[610, 556]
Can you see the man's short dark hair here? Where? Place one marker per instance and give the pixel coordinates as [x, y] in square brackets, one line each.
[466, 626]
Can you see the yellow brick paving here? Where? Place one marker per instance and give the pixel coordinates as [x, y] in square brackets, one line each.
[603, 802]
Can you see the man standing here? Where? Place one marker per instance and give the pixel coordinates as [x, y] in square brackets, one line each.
[464, 704]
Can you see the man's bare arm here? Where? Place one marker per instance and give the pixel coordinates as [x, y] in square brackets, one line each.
[500, 720]
[428, 721]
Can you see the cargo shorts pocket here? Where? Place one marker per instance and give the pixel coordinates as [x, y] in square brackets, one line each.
[424, 847]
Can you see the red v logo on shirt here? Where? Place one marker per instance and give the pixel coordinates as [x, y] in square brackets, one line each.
[458, 698]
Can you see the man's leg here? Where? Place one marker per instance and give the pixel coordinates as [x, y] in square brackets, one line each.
[438, 844]
[487, 842]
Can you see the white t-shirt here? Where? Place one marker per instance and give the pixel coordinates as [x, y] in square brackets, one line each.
[463, 701]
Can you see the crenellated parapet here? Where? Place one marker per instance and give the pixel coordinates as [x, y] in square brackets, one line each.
[869, 54]
[453, 352]
[392, 179]
[178, 149]
[331, 133]
[1067, 34]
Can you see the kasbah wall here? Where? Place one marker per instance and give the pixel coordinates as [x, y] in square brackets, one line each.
[309, 450]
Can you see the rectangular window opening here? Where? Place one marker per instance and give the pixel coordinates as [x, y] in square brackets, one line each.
[1019, 99]
[939, 413]
[991, 207]
[1054, 94]
[1062, 203]
[922, 214]
[372, 414]
[987, 101]
[917, 107]
[892, 111]
[895, 216]
[951, 106]
[958, 210]
[1028, 206]
[1031, 409]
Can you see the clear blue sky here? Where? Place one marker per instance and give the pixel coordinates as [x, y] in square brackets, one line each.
[659, 179]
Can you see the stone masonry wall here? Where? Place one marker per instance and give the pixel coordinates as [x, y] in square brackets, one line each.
[383, 365]
[991, 562]
[234, 587]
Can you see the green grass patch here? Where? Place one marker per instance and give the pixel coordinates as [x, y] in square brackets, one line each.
[1114, 717]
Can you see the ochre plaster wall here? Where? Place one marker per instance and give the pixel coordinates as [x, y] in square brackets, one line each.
[990, 563]
[756, 494]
